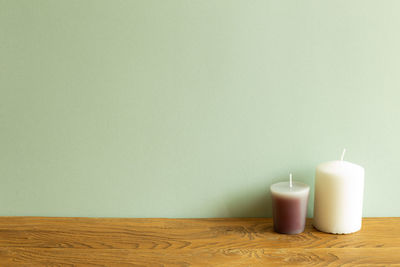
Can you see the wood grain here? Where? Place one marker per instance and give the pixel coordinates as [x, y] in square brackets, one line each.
[40, 241]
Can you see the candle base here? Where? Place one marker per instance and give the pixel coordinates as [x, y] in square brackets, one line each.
[351, 231]
[289, 232]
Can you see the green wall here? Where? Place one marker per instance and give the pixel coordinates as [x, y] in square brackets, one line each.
[189, 108]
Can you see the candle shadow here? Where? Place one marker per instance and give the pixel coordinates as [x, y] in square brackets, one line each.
[255, 202]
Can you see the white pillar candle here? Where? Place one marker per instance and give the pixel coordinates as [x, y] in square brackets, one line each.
[339, 188]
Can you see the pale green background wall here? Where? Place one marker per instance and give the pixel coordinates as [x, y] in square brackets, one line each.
[185, 108]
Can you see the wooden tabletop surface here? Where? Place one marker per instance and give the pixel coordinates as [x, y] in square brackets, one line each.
[42, 241]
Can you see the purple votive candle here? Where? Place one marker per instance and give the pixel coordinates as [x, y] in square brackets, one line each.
[289, 206]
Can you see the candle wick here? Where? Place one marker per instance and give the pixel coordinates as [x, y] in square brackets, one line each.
[342, 157]
[290, 181]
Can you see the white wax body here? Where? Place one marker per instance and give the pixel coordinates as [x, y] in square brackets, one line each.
[339, 190]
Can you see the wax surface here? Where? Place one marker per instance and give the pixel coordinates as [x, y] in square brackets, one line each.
[339, 187]
[289, 207]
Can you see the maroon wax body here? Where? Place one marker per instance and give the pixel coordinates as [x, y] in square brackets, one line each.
[289, 207]
[288, 215]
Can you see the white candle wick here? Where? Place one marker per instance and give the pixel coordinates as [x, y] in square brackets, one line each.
[342, 157]
[290, 181]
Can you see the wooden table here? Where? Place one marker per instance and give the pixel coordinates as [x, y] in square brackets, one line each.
[39, 241]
